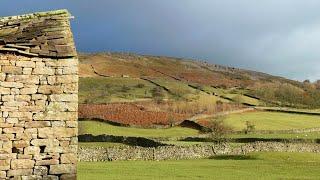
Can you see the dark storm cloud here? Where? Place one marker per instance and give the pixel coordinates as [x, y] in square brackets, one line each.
[278, 37]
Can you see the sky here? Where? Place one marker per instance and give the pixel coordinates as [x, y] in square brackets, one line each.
[279, 37]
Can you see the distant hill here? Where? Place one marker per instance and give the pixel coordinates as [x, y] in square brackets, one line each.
[272, 89]
[133, 65]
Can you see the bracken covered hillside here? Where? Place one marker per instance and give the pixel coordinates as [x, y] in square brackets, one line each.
[133, 65]
[271, 89]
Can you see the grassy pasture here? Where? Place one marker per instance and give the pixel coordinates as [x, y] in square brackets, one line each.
[104, 90]
[174, 86]
[272, 121]
[178, 90]
[212, 90]
[97, 128]
[117, 89]
[234, 95]
[243, 99]
[253, 166]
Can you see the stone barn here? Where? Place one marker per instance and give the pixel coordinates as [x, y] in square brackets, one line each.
[38, 97]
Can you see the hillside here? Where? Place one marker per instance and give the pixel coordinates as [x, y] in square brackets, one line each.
[188, 103]
[179, 77]
[133, 65]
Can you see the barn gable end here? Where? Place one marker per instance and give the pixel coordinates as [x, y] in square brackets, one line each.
[38, 97]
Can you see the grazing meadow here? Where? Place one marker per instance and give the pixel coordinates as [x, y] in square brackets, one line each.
[269, 165]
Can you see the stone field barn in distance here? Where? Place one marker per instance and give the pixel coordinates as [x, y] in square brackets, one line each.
[38, 97]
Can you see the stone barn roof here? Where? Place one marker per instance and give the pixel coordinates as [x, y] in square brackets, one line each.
[45, 34]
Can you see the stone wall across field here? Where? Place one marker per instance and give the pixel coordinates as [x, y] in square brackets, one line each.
[38, 117]
[117, 153]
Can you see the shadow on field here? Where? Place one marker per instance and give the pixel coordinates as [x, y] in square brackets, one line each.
[233, 157]
[131, 141]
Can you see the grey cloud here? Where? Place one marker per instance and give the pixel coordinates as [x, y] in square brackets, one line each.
[280, 37]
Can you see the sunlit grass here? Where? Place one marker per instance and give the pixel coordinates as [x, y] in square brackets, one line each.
[97, 128]
[272, 121]
[253, 166]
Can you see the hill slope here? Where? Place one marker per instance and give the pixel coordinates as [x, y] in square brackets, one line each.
[119, 64]
[205, 77]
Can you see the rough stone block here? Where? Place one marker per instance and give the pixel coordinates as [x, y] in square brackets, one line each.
[62, 169]
[22, 164]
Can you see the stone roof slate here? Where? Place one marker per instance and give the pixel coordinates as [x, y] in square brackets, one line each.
[45, 34]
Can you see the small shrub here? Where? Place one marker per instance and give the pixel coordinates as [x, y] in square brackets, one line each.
[158, 94]
[238, 99]
[250, 127]
[140, 85]
[222, 86]
[125, 88]
[219, 128]
[171, 120]
[219, 102]
[107, 86]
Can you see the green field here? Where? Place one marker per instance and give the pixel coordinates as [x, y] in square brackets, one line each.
[212, 90]
[253, 166]
[118, 89]
[104, 90]
[97, 128]
[243, 99]
[272, 121]
[175, 87]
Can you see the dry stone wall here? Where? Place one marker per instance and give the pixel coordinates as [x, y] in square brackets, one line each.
[125, 153]
[38, 118]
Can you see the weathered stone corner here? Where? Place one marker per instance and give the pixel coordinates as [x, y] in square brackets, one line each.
[38, 97]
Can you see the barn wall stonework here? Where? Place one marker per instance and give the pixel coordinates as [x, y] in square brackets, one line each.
[38, 118]
[38, 97]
